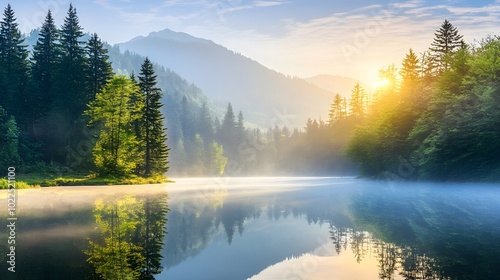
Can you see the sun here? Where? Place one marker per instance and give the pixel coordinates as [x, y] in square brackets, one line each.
[380, 83]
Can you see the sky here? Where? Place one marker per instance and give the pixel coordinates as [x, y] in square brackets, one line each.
[295, 37]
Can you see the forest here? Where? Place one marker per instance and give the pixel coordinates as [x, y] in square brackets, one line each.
[54, 84]
[62, 113]
[54, 95]
[437, 117]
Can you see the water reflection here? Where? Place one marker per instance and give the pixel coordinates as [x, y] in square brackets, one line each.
[413, 231]
[88, 233]
[268, 228]
[393, 260]
[445, 230]
[132, 230]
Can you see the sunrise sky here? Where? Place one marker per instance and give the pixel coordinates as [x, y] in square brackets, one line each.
[301, 38]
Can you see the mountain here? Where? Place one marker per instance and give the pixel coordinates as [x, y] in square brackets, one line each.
[337, 84]
[174, 88]
[266, 97]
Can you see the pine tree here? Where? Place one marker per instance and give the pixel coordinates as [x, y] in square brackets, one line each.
[446, 40]
[154, 132]
[229, 121]
[335, 109]
[187, 120]
[227, 134]
[427, 67]
[43, 70]
[13, 65]
[345, 109]
[99, 67]
[240, 125]
[409, 71]
[205, 124]
[9, 140]
[73, 94]
[357, 103]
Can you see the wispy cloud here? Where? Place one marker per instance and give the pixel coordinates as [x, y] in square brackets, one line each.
[267, 3]
[360, 41]
[353, 42]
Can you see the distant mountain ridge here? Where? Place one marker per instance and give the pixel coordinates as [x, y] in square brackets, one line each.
[264, 95]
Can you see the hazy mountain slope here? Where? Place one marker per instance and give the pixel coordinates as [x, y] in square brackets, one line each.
[337, 84]
[225, 76]
[173, 86]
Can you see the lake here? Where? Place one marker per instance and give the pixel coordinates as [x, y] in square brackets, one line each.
[256, 228]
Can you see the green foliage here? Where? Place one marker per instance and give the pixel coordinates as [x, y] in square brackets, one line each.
[13, 65]
[132, 231]
[9, 140]
[228, 126]
[152, 135]
[358, 101]
[4, 184]
[447, 129]
[446, 40]
[73, 94]
[216, 159]
[43, 70]
[99, 68]
[336, 110]
[410, 70]
[113, 111]
[118, 257]
[43, 105]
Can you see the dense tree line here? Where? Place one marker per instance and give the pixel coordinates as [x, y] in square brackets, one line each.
[49, 96]
[438, 118]
[435, 118]
[68, 71]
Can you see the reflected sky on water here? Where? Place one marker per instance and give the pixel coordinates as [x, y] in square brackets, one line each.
[259, 228]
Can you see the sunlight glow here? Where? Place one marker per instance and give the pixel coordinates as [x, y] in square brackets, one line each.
[381, 83]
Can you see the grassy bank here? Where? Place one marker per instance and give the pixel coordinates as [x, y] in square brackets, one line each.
[34, 180]
[4, 184]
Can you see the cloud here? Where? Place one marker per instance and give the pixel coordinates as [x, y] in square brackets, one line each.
[223, 8]
[355, 43]
[360, 41]
[267, 3]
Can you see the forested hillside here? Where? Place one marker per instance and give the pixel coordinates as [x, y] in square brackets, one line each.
[53, 112]
[438, 116]
[226, 76]
[65, 111]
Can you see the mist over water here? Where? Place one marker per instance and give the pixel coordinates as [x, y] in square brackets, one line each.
[259, 228]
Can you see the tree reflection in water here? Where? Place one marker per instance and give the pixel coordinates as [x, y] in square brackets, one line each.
[132, 230]
[392, 259]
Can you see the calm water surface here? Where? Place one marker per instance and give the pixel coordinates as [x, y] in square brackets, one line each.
[257, 228]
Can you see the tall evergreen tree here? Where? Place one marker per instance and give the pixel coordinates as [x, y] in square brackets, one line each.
[187, 120]
[205, 124]
[335, 109]
[427, 67]
[409, 71]
[99, 67]
[229, 121]
[357, 103]
[154, 132]
[73, 93]
[446, 40]
[240, 125]
[45, 55]
[13, 65]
